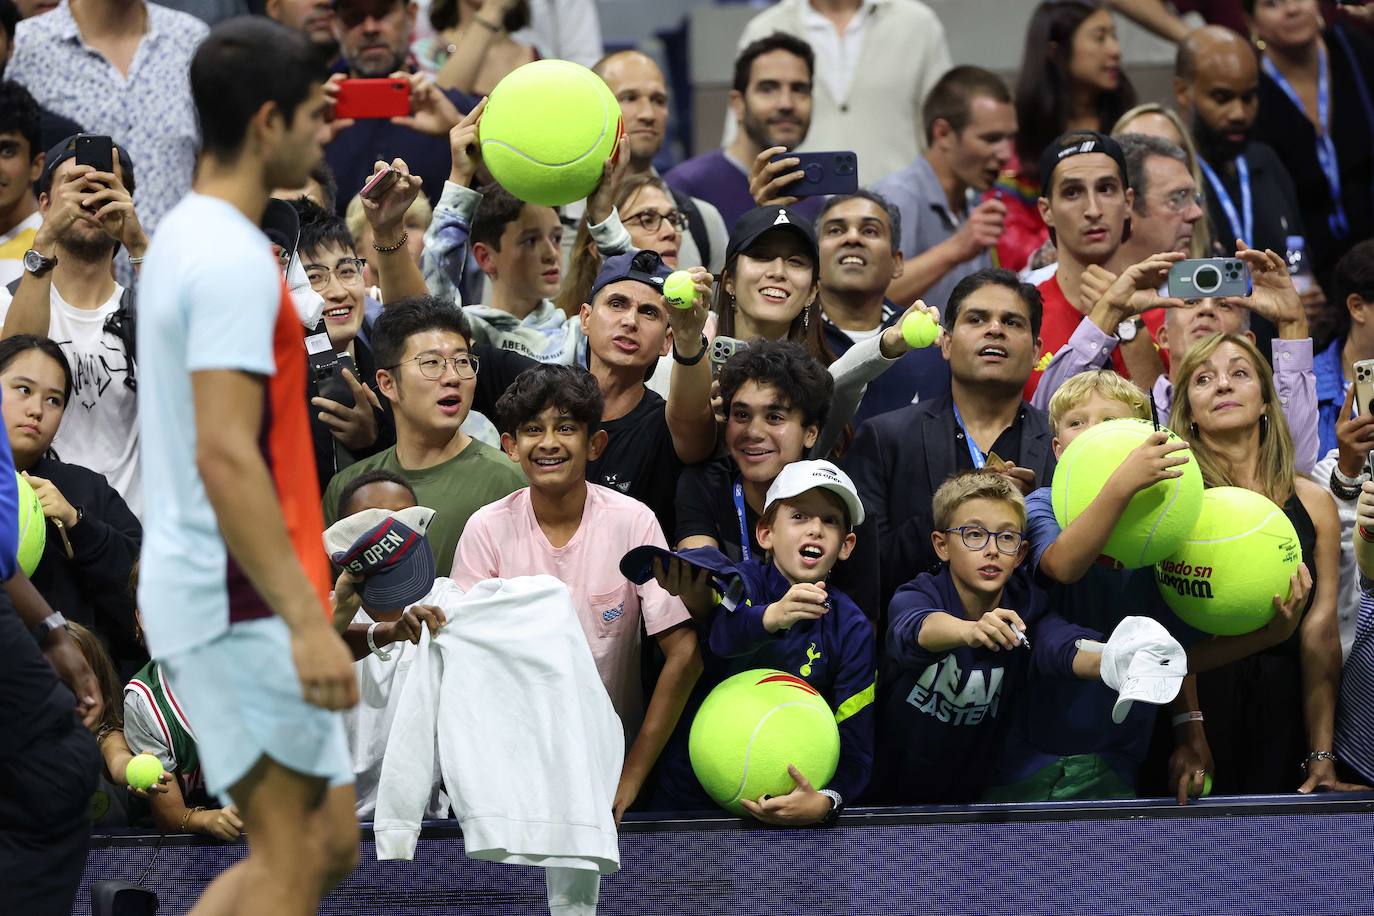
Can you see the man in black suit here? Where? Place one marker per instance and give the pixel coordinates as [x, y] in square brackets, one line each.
[900, 458]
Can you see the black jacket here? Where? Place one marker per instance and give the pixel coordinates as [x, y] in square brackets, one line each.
[92, 585]
[326, 459]
[898, 461]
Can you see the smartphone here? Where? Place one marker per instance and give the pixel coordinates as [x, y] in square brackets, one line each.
[823, 174]
[1200, 278]
[722, 348]
[327, 366]
[373, 98]
[380, 183]
[96, 151]
[1364, 386]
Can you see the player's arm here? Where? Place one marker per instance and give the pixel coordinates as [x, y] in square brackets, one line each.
[229, 408]
[681, 668]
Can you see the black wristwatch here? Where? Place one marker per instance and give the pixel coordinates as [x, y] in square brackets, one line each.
[37, 264]
[42, 631]
[695, 359]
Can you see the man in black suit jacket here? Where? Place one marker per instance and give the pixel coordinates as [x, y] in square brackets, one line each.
[899, 459]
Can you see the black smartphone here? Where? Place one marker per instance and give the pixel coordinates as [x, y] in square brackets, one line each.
[327, 366]
[96, 151]
[823, 174]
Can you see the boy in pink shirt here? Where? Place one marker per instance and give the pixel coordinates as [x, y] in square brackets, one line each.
[563, 526]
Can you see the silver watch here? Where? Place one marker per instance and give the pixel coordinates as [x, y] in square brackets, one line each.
[44, 628]
[1128, 329]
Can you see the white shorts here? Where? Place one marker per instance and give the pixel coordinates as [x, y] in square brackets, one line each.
[243, 700]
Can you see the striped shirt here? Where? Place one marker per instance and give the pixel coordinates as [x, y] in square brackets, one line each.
[1355, 708]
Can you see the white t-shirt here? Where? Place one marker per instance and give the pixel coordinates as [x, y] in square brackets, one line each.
[100, 428]
[209, 298]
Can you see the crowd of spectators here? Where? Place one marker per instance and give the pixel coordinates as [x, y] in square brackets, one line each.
[516, 369]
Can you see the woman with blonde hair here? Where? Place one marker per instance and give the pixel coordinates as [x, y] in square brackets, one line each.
[1155, 120]
[1268, 713]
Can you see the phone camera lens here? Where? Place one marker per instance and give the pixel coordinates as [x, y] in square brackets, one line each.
[1207, 279]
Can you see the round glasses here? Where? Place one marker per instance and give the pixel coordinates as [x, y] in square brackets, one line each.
[650, 220]
[348, 271]
[975, 537]
[432, 365]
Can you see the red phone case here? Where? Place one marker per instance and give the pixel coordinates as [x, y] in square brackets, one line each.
[373, 98]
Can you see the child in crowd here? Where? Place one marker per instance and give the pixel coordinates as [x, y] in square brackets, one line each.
[954, 668]
[779, 612]
[563, 526]
[1063, 747]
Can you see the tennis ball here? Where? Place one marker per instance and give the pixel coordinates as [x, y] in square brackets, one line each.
[1156, 520]
[1239, 555]
[751, 727]
[919, 330]
[143, 771]
[1207, 785]
[33, 527]
[548, 128]
[679, 289]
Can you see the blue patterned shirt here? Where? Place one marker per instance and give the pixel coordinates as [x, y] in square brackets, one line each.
[149, 112]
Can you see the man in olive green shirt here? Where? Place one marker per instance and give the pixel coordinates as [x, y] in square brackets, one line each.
[425, 370]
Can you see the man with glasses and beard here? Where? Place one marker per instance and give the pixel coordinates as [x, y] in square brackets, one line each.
[68, 292]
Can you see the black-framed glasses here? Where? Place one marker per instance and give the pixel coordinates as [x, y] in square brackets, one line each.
[348, 271]
[650, 220]
[432, 365]
[975, 537]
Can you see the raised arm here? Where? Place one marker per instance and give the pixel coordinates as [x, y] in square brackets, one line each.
[690, 420]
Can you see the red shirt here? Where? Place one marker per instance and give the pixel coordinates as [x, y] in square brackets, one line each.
[1059, 322]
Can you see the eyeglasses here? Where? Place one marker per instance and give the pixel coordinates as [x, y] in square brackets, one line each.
[348, 271]
[650, 220]
[975, 537]
[1182, 199]
[432, 365]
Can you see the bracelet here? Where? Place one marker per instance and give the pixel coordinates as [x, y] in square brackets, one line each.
[1341, 490]
[187, 816]
[377, 650]
[487, 25]
[681, 360]
[135, 261]
[1348, 481]
[397, 247]
[1318, 755]
[1184, 718]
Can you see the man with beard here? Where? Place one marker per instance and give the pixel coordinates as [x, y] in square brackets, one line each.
[312, 18]
[68, 293]
[771, 103]
[899, 459]
[374, 42]
[970, 131]
[1250, 194]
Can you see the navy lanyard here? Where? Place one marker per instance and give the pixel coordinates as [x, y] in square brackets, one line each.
[973, 451]
[1241, 227]
[743, 525]
[1326, 147]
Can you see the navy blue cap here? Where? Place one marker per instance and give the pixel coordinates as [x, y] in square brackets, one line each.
[638, 567]
[642, 265]
[388, 550]
[755, 223]
[281, 224]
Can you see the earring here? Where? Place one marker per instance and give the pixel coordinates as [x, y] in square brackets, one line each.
[1193, 431]
[806, 318]
[1264, 426]
[1258, 42]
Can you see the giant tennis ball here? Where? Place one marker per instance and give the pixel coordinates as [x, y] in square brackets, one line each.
[1156, 520]
[548, 128]
[33, 527]
[751, 727]
[143, 771]
[1239, 555]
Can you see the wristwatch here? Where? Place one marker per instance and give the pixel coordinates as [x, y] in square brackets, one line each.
[695, 359]
[43, 629]
[37, 264]
[1128, 329]
[836, 803]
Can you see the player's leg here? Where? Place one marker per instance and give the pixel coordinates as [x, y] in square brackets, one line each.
[336, 823]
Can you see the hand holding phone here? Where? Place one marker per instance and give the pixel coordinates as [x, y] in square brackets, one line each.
[1199, 278]
[822, 173]
[379, 183]
[96, 151]
[372, 98]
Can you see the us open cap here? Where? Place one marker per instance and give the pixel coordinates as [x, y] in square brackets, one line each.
[388, 550]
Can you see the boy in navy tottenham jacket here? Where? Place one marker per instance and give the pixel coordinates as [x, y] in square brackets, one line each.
[776, 612]
[959, 651]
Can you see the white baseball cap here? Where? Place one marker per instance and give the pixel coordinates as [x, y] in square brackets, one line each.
[1141, 661]
[800, 476]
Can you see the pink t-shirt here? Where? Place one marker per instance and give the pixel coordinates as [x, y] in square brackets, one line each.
[503, 540]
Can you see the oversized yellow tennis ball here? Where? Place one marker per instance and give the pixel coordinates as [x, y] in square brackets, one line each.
[680, 290]
[751, 727]
[1239, 555]
[33, 527]
[548, 128]
[143, 771]
[1156, 520]
[919, 330]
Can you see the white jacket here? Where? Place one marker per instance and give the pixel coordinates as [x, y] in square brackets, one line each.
[529, 746]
